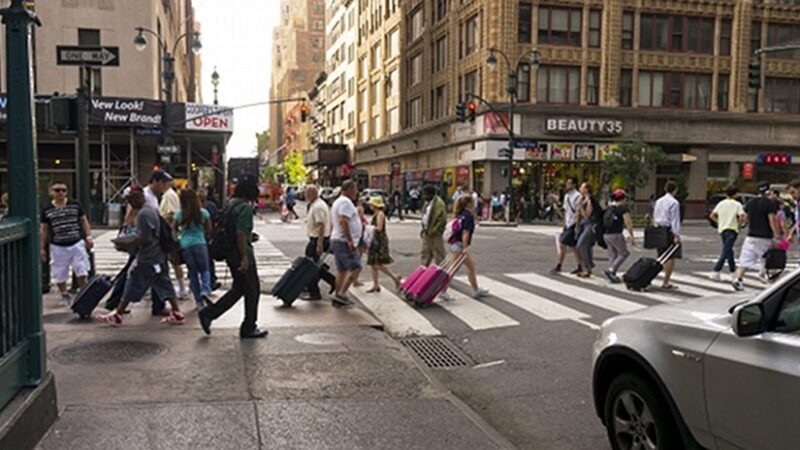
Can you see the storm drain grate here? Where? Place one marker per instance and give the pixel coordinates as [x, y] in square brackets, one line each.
[437, 352]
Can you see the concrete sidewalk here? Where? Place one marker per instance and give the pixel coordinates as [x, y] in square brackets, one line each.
[148, 386]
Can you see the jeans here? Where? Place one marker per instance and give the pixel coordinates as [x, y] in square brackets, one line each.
[196, 259]
[311, 252]
[728, 241]
[245, 285]
[585, 245]
[617, 251]
[119, 286]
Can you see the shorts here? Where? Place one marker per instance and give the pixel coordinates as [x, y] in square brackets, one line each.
[144, 277]
[456, 247]
[569, 236]
[753, 251]
[62, 258]
[677, 255]
[346, 260]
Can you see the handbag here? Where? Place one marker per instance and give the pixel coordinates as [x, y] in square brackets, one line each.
[657, 237]
[569, 237]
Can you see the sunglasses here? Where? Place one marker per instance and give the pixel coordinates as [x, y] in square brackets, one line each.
[60, 190]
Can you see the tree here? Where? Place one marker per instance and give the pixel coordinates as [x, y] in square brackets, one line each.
[294, 169]
[262, 144]
[632, 161]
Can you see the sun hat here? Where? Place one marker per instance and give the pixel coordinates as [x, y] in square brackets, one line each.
[377, 202]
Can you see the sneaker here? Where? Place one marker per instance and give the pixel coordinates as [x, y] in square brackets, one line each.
[616, 279]
[446, 297]
[111, 319]
[480, 293]
[576, 271]
[609, 274]
[762, 277]
[555, 270]
[715, 276]
[176, 318]
[738, 285]
[183, 294]
[205, 322]
[66, 299]
[340, 301]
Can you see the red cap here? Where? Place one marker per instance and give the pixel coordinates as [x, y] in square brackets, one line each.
[620, 193]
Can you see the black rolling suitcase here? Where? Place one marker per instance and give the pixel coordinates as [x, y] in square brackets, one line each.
[645, 270]
[90, 296]
[302, 273]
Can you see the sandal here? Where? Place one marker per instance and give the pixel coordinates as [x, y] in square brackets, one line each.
[374, 289]
[669, 287]
[584, 274]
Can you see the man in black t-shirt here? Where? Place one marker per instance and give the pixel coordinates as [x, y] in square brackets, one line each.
[763, 230]
[66, 230]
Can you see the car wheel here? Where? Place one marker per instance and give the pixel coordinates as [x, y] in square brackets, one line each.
[637, 416]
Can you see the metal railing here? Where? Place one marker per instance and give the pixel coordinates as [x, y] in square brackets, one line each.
[14, 345]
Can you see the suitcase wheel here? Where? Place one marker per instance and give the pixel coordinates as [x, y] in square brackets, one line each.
[84, 316]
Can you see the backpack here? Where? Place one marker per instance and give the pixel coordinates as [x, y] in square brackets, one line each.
[166, 238]
[612, 218]
[451, 230]
[221, 241]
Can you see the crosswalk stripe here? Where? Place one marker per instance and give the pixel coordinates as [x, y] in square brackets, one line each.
[475, 314]
[692, 290]
[527, 301]
[726, 282]
[705, 284]
[398, 317]
[591, 297]
[621, 288]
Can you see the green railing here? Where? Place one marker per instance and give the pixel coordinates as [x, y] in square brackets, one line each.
[14, 344]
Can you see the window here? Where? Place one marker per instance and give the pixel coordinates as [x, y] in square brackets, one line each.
[594, 28]
[725, 37]
[362, 65]
[375, 56]
[393, 47]
[524, 83]
[524, 31]
[394, 120]
[92, 37]
[415, 69]
[677, 33]
[363, 132]
[469, 36]
[654, 32]
[351, 87]
[439, 102]
[674, 90]
[351, 120]
[627, 30]
[415, 112]
[374, 92]
[788, 320]
[415, 25]
[441, 9]
[440, 54]
[558, 84]
[625, 87]
[471, 84]
[593, 86]
[559, 26]
[782, 95]
[780, 34]
[377, 132]
[722, 92]
[755, 37]
[364, 100]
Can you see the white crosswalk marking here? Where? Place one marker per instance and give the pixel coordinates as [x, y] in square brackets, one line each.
[690, 289]
[725, 282]
[527, 301]
[398, 317]
[596, 281]
[475, 314]
[588, 296]
[551, 230]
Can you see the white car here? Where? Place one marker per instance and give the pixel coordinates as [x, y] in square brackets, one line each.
[717, 373]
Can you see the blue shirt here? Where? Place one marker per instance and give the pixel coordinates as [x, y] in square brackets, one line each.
[195, 233]
[467, 223]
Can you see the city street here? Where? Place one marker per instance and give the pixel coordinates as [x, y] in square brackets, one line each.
[525, 378]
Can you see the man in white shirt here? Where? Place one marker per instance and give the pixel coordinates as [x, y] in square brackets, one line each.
[569, 235]
[170, 202]
[667, 214]
[318, 230]
[345, 240]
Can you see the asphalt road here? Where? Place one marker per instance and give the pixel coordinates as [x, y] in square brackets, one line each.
[531, 339]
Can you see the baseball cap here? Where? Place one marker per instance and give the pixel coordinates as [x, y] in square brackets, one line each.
[620, 193]
[132, 189]
[763, 187]
[160, 175]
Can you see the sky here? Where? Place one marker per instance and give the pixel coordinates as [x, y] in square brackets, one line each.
[237, 39]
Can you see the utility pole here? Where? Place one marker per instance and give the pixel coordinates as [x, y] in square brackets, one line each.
[82, 152]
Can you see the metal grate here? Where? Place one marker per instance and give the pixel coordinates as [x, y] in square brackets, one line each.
[437, 352]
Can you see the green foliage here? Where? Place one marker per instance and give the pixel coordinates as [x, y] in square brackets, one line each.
[269, 173]
[294, 169]
[632, 161]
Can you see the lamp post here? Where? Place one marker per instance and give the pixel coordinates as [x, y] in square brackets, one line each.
[530, 57]
[215, 83]
[140, 42]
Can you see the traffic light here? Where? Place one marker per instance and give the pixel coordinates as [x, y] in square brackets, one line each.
[461, 112]
[303, 113]
[754, 73]
[471, 107]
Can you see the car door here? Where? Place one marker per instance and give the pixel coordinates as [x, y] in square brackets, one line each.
[753, 383]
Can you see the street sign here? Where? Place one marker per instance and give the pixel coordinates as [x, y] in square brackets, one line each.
[87, 55]
[168, 149]
[504, 153]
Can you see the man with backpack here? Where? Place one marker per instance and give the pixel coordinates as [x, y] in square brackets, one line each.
[616, 219]
[149, 270]
[233, 237]
[761, 235]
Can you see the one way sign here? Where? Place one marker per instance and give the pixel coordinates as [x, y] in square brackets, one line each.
[83, 55]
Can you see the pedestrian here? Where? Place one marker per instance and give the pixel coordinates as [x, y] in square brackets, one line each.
[616, 219]
[460, 245]
[434, 220]
[505, 205]
[793, 189]
[568, 238]
[379, 255]
[414, 196]
[149, 270]
[127, 229]
[241, 262]
[589, 216]
[497, 205]
[784, 218]
[459, 192]
[362, 216]
[729, 216]
[346, 233]
[667, 214]
[762, 232]
[290, 202]
[397, 204]
[318, 230]
[170, 202]
[65, 230]
[193, 223]
[160, 180]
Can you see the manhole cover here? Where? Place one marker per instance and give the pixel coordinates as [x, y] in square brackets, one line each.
[107, 352]
[437, 352]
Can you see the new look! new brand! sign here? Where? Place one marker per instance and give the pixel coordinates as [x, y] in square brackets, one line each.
[593, 127]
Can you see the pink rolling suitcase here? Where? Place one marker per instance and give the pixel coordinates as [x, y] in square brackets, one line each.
[406, 285]
[433, 282]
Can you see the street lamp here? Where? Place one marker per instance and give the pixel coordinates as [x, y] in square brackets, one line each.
[215, 83]
[530, 57]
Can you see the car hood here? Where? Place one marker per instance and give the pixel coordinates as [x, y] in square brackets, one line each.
[709, 311]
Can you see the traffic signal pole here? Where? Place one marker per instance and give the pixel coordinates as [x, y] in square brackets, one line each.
[83, 181]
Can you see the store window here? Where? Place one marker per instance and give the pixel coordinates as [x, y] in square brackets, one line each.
[593, 86]
[625, 87]
[674, 90]
[469, 36]
[677, 33]
[725, 37]
[559, 26]
[722, 92]
[627, 30]
[559, 84]
[524, 28]
[524, 83]
[594, 28]
[782, 95]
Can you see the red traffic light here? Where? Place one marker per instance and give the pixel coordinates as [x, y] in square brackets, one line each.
[472, 106]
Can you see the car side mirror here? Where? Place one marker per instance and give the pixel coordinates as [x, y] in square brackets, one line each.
[748, 319]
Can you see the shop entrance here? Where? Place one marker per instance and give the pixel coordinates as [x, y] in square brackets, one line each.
[534, 180]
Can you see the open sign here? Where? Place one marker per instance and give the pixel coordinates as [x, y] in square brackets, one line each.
[208, 117]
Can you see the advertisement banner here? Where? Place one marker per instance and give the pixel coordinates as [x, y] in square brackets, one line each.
[125, 112]
[208, 117]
